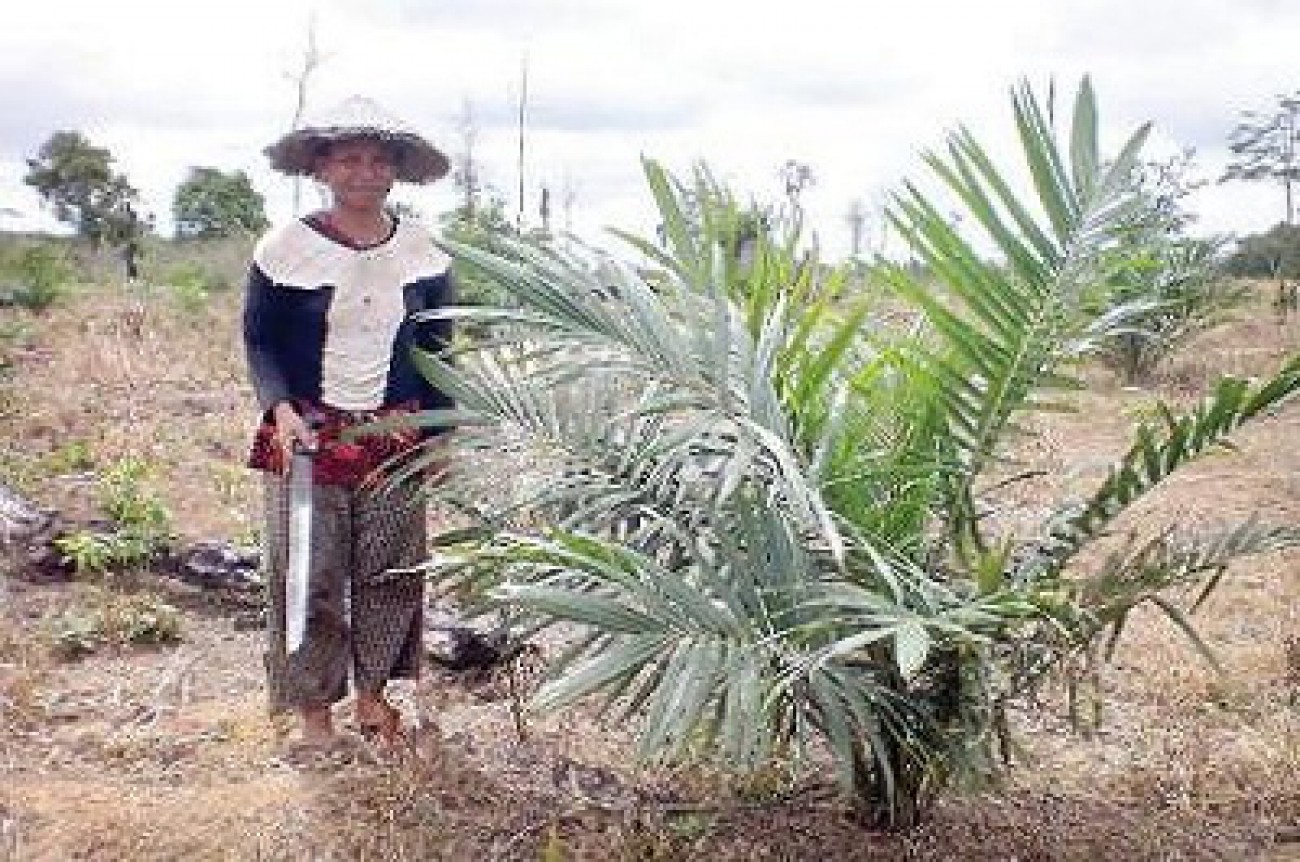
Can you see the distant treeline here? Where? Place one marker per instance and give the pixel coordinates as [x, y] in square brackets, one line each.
[1273, 254]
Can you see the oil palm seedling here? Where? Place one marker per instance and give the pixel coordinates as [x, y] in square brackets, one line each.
[764, 518]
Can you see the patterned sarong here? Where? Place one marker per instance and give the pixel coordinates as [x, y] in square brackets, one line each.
[359, 611]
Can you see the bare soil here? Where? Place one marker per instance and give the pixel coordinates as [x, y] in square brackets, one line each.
[166, 753]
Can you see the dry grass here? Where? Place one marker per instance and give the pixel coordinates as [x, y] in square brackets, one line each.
[164, 754]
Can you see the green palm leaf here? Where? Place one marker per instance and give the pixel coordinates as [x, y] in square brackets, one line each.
[1155, 454]
[1004, 329]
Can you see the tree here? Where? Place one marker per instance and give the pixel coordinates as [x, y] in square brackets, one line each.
[481, 223]
[78, 180]
[465, 172]
[1167, 286]
[312, 59]
[796, 177]
[1264, 146]
[210, 204]
[1272, 254]
[766, 513]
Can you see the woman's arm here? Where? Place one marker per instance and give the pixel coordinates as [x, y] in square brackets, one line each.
[264, 356]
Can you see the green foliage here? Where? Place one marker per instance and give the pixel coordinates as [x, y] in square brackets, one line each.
[211, 203]
[765, 509]
[95, 553]
[140, 525]
[1163, 288]
[1272, 254]
[487, 227]
[13, 333]
[705, 211]
[192, 284]
[1168, 294]
[35, 277]
[125, 497]
[77, 179]
[107, 618]
[70, 457]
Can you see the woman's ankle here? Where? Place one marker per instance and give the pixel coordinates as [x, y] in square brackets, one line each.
[317, 721]
[371, 703]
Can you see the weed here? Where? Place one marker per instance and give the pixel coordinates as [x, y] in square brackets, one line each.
[37, 278]
[16, 332]
[125, 498]
[192, 285]
[111, 618]
[765, 784]
[73, 636]
[655, 839]
[230, 483]
[1141, 410]
[74, 456]
[141, 523]
[92, 553]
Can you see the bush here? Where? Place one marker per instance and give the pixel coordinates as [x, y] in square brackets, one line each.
[1175, 293]
[1273, 254]
[35, 278]
[140, 525]
[192, 284]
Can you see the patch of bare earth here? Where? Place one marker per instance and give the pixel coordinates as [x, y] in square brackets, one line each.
[166, 753]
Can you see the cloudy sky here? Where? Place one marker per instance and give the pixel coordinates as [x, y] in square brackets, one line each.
[855, 89]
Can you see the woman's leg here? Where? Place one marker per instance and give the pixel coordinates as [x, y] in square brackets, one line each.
[387, 601]
[315, 676]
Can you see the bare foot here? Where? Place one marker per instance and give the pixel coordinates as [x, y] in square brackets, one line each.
[380, 722]
[317, 723]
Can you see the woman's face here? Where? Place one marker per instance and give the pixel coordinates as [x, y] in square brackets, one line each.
[359, 173]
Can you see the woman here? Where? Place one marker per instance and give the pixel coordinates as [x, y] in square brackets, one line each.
[330, 325]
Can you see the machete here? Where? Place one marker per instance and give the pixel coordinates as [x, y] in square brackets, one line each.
[298, 575]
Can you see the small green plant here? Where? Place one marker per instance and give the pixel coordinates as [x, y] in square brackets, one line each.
[126, 498]
[73, 635]
[92, 553]
[15, 332]
[192, 285]
[143, 619]
[229, 481]
[108, 618]
[141, 523]
[36, 278]
[85, 551]
[74, 456]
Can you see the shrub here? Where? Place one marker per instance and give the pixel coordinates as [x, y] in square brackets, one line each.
[140, 525]
[35, 278]
[107, 618]
[192, 284]
[1272, 254]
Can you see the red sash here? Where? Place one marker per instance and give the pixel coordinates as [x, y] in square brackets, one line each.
[338, 461]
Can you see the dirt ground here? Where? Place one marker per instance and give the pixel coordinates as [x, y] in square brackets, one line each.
[166, 753]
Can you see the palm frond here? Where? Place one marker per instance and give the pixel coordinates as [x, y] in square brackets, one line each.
[1155, 454]
[1003, 328]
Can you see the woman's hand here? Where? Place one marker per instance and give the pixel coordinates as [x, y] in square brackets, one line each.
[291, 429]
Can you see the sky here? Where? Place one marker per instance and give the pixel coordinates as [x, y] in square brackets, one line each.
[857, 90]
